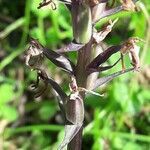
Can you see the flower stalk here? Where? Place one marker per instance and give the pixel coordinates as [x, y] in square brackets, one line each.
[84, 13]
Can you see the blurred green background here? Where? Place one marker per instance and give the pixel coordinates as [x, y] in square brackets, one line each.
[118, 121]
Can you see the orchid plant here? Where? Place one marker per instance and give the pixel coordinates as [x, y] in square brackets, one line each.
[85, 14]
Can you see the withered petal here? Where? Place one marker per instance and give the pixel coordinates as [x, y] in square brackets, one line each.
[103, 57]
[106, 79]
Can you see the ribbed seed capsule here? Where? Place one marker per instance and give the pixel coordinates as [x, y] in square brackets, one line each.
[82, 22]
[75, 109]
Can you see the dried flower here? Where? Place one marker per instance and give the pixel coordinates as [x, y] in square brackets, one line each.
[129, 5]
[131, 47]
[34, 56]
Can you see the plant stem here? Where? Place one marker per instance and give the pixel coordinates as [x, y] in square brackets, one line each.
[76, 143]
[84, 56]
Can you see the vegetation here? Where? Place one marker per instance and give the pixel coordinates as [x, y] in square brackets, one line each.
[119, 120]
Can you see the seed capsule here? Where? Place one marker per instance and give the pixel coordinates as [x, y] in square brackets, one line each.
[82, 22]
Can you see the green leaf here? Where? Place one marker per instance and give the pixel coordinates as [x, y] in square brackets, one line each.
[131, 145]
[43, 12]
[8, 112]
[145, 94]
[37, 34]
[47, 111]
[6, 93]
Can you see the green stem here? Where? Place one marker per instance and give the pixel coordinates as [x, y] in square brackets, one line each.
[147, 40]
[11, 27]
[26, 24]
[138, 137]
[129, 136]
[41, 27]
[9, 131]
[10, 58]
